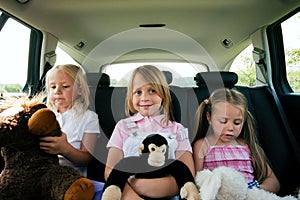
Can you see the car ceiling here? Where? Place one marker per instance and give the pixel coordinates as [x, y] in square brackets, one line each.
[205, 21]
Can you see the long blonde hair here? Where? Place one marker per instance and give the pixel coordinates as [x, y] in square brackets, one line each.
[158, 81]
[248, 132]
[78, 76]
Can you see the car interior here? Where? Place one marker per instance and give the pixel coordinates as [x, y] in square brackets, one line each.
[111, 38]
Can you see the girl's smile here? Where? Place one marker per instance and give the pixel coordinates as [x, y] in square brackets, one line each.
[145, 100]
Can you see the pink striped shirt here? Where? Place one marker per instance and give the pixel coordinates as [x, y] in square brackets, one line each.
[237, 157]
[138, 124]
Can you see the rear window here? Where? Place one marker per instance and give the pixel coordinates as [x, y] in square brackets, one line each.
[182, 73]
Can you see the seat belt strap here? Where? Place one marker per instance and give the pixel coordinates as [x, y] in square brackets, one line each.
[261, 72]
[292, 139]
[41, 84]
[50, 58]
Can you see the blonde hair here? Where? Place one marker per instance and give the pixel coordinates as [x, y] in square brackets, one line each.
[158, 81]
[78, 76]
[248, 132]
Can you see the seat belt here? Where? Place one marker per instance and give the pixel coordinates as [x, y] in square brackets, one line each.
[259, 58]
[294, 143]
[41, 84]
[50, 57]
[261, 72]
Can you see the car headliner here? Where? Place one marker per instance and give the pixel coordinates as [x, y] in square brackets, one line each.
[205, 21]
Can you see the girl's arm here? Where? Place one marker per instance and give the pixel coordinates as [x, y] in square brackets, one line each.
[130, 194]
[60, 145]
[113, 157]
[271, 183]
[198, 154]
[162, 187]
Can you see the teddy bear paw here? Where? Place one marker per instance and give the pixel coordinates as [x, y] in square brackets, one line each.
[189, 191]
[81, 189]
[112, 193]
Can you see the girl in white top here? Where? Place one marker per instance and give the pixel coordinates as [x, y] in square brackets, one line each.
[68, 97]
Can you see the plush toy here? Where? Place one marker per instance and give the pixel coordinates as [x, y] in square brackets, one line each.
[225, 183]
[151, 163]
[30, 173]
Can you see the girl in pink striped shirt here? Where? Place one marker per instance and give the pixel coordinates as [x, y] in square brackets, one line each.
[225, 136]
[148, 109]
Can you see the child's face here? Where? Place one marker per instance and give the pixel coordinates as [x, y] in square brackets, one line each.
[60, 91]
[226, 121]
[145, 99]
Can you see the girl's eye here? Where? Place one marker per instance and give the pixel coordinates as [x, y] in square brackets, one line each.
[223, 121]
[137, 92]
[238, 123]
[66, 86]
[53, 87]
[151, 91]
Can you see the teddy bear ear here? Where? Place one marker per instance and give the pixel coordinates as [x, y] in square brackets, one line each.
[35, 107]
[43, 123]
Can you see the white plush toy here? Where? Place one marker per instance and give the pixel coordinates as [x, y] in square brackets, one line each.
[224, 183]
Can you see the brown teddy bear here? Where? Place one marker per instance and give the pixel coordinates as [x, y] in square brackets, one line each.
[30, 173]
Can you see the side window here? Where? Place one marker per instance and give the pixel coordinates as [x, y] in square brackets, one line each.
[63, 58]
[14, 50]
[291, 41]
[244, 66]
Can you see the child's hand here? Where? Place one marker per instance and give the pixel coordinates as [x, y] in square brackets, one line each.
[54, 145]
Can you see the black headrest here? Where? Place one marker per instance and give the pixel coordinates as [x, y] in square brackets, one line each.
[229, 79]
[104, 80]
[169, 76]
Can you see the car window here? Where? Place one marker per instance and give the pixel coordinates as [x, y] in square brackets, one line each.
[244, 66]
[14, 50]
[182, 73]
[291, 41]
[63, 58]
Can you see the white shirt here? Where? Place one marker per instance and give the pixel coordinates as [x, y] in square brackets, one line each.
[75, 126]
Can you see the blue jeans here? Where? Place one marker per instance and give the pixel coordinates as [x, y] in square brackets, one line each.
[98, 190]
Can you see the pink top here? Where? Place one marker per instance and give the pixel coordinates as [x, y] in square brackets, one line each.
[129, 133]
[237, 157]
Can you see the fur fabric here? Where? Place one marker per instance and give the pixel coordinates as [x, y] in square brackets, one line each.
[30, 173]
[224, 183]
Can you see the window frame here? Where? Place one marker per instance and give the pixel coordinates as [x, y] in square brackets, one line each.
[34, 54]
[277, 55]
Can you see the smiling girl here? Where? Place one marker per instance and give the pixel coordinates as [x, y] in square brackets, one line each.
[148, 109]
